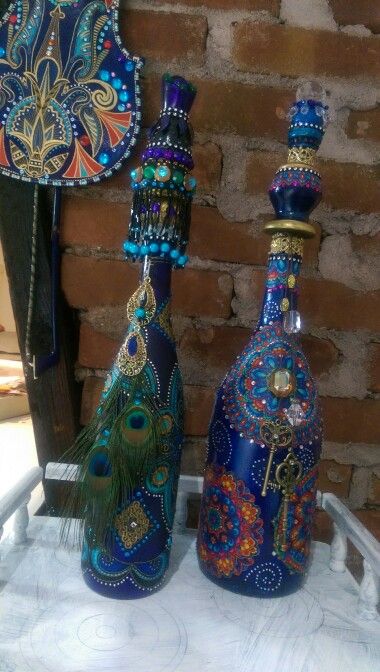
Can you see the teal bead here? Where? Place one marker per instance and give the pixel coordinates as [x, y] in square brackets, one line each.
[133, 248]
[124, 96]
[153, 247]
[144, 249]
[165, 247]
[129, 66]
[121, 107]
[104, 75]
[117, 83]
[182, 261]
[104, 159]
[174, 254]
[163, 172]
[149, 172]
[140, 313]
[178, 176]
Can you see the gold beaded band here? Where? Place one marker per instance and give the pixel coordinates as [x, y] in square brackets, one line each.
[291, 226]
[302, 155]
[285, 244]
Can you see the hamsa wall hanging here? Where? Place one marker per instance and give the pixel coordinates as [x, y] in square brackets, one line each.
[69, 95]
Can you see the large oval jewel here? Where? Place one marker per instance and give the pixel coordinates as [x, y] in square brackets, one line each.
[144, 298]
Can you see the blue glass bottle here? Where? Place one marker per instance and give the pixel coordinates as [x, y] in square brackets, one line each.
[265, 435]
[129, 455]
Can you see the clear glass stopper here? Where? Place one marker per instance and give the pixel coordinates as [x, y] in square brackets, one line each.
[311, 90]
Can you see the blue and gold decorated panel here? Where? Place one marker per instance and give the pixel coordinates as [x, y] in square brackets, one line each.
[69, 93]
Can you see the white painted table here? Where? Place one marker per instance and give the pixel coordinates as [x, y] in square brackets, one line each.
[50, 621]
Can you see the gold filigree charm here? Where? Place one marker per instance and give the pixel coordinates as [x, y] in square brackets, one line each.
[132, 524]
[275, 435]
[132, 355]
[283, 243]
[142, 304]
[288, 473]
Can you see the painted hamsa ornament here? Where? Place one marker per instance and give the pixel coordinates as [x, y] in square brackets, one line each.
[69, 94]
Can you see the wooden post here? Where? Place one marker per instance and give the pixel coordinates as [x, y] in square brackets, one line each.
[54, 397]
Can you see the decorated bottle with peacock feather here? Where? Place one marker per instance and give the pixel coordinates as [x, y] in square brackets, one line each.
[130, 468]
[265, 436]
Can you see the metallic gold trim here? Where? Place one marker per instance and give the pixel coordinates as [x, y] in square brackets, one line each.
[284, 243]
[304, 155]
[292, 226]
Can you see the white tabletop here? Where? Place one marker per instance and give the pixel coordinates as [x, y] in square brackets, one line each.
[50, 621]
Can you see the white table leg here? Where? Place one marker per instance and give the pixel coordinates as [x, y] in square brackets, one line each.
[338, 551]
[369, 593]
[20, 524]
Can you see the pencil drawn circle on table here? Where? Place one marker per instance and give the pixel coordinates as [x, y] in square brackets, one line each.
[296, 615]
[102, 636]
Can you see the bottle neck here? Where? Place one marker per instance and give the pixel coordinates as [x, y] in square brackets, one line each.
[281, 291]
[160, 273]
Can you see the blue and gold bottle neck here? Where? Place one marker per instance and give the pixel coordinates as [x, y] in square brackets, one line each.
[281, 290]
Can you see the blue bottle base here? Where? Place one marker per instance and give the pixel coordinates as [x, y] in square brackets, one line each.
[238, 585]
[124, 581]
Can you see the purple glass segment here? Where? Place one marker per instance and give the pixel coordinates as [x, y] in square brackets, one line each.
[177, 92]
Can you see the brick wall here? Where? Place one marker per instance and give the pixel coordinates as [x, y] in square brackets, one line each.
[246, 58]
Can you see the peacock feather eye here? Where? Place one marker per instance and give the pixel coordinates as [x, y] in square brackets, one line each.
[166, 424]
[99, 470]
[137, 425]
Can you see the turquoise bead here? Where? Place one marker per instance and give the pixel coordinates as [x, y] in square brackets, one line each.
[121, 107]
[124, 96]
[126, 246]
[165, 247]
[104, 159]
[2, 52]
[183, 260]
[163, 171]
[140, 313]
[133, 248]
[153, 247]
[144, 249]
[117, 83]
[174, 254]
[129, 66]
[104, 75]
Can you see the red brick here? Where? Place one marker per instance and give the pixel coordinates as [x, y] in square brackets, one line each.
[334, 477]
[352, 12]
[92, 389]
[374, 367]
[164, 36]
[321, 353]
[330, 304]
[96, 349]
[199, 403]
[88, 282]
[364, 124]
[230, 107]
[346, 186]
[213, 237]
[351, 420]
[272, 6]
[207, 353]
[286, 50]
[94, 223]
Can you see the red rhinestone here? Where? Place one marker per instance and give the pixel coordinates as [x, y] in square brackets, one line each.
[13, 18]
[107, 44]
[84, 140]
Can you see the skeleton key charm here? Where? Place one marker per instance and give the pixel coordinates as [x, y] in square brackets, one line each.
[288, 473]
[275, 435]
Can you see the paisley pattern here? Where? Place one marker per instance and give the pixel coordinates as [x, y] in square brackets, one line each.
[297, 528]
[248, 401]
[69, 94]
[230, 529]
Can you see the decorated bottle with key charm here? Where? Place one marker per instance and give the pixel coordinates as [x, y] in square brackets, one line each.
[265, 436]
[129, 455]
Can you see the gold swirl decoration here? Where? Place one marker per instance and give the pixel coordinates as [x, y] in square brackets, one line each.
[106, 97]
[302, 155]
